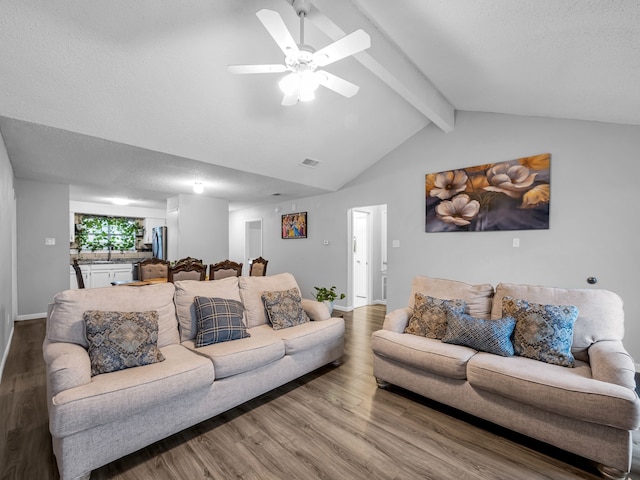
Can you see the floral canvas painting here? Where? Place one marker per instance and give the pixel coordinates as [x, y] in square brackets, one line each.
[511, 195]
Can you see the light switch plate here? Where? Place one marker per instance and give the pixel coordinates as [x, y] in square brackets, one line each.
[49, 241]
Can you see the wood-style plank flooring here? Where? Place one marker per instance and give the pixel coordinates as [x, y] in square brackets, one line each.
[331, 424]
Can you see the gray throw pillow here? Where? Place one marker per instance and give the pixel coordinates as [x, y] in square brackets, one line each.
[492, 336]
[284, 308]
[429, 318]
[119, 340]
[218, 320]
[542, 332]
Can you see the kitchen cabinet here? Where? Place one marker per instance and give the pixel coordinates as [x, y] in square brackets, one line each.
[96, 276]
[149, 225]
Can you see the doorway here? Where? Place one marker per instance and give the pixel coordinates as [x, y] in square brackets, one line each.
[253, 240]
[367, 262]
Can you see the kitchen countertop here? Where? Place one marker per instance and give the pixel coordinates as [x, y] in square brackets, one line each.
[116, 261]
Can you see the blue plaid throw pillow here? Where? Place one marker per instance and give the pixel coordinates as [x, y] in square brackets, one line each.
[492, 336]
[218, 320]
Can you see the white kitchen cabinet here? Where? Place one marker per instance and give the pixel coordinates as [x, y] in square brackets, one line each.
[102, 275]
[149, 225]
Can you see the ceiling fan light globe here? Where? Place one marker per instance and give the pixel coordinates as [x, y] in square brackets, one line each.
[289, 83]
[309, 81]
[307, 95]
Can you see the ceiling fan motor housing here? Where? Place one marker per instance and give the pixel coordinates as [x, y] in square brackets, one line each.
[302, 7]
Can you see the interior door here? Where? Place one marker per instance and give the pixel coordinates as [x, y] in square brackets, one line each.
[360, 258]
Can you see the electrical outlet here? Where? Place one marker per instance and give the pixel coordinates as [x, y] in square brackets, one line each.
[395, 243]
[516, 242]
[49, 241]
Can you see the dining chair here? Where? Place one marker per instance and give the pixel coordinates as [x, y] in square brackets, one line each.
[224, 269]
[187, 271]
[153, 268]
[258, 267]
[188, 260]
[79, 277]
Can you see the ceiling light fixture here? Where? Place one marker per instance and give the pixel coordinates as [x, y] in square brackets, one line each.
[120, 201]
[198, 187]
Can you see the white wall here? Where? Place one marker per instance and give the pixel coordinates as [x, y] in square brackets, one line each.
[116, 210]
[8, 288]
[198, 226]
[593, 227]
[43, 270]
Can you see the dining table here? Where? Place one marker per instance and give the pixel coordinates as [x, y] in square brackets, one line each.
[141, 283]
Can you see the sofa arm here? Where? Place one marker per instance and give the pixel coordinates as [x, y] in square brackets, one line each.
[68, 366]
[397, 320]
[611, 363]
[315, 310]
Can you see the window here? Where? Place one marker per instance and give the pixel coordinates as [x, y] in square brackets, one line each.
[107, 233]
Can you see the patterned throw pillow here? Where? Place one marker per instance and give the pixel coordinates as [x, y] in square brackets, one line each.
[284, 308]
[429, 317]
[493, 336]
[218, 320]
[542, 332]
[119, 340]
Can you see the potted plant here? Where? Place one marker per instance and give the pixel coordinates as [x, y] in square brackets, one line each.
[327, 296]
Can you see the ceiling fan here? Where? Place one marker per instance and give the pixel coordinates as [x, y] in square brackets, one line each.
[303, 61]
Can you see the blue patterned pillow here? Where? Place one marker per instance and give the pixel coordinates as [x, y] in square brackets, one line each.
[119, 340]
[543, 332]
[493, 336]
[284, 308]
[218, 320]
[429, 317]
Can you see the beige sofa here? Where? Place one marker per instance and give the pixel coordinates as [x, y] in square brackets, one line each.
[95, 420]
[590, 409]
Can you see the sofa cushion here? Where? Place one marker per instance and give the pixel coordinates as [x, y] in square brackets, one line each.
[251, 289]
[308, 335]
[219, 320]
[542, 332]
[284, 308]
[186, 291]
[239, 356]
[112, 396]
[570, 392]
[477, 297]
[119, 340]
[423, 353]
[600, 317]
[65, 319]
[429, 317]
[493, 336]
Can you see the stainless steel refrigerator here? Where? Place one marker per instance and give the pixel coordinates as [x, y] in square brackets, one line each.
[159, 243]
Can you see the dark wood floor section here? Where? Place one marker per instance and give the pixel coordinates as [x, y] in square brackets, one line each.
[331, 424]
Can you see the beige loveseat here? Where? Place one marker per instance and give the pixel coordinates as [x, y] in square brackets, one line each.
[590, 409]
[96, 419]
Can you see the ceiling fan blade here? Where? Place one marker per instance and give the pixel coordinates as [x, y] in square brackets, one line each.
[337, 84]
[290, 99]
[274, 24]
[351, 44]
[256, 68]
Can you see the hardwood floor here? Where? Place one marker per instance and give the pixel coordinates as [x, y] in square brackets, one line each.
[331, 424]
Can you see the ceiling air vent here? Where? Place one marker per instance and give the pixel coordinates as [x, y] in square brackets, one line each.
[310, 163]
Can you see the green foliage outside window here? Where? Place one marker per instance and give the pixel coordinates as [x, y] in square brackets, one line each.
[111, 233]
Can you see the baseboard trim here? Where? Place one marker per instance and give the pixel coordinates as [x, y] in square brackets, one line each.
[6, 353]
[32, 316]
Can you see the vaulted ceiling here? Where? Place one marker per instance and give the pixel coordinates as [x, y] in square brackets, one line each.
[124, 98]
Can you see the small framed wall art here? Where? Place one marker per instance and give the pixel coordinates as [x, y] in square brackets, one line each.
[511, 195]
[294, 225]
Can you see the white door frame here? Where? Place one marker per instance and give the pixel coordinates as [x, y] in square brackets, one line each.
[248, 231]
[351, 270]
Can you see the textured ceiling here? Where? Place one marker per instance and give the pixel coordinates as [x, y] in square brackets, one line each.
[135, 96]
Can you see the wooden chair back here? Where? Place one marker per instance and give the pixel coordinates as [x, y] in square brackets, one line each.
[79, 277]
[153, 268]
[187, 271]
[258, 267]
[224, 269]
